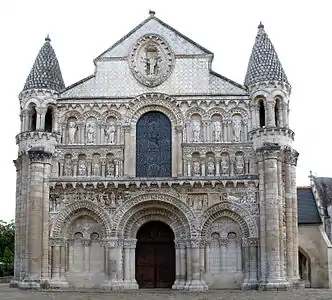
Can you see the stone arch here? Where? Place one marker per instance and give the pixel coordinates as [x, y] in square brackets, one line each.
[239, 111]
[196, 110]
[304, 266]
[162, 201]
[91, 114]
[233, 211]
[154, 102]
[71, 114]
[75, 210]
[32, 102]
[146, 213]
[216, 110]
[111, 113]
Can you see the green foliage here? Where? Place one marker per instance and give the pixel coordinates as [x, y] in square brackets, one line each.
[7, 242]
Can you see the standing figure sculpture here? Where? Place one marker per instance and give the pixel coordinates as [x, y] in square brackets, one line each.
[68, 167]
[210, 167]
[110, 168]
[237, 128]
[196, 168]
[72, 131]
[196, 131]
[224, 165]
[90, 132]
[110, 133]
[217, 131]
[96, 168]
[82, 169]
[239, 164]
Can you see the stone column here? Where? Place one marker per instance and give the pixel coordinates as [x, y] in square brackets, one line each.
[128, 163]
[129, 264]
[179, 139]
[188, 265]
[252, 279]
[177, 265]
[188, 166]
[86, 254]
[296, 277]
[37, 238]
[55, 263]
[196, 283]
[270, 120]
[207, 257]
[274, 279]
[203, 171]
[18, 259]
[245, 252]
[217, 166]
[114, 265]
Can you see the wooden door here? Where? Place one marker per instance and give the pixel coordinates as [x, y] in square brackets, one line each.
[155, 256]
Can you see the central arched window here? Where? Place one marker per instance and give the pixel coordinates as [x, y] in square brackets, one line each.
[153, 145]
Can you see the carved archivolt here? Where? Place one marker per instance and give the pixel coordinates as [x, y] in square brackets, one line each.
[239, 111]
[75, 210]
[158, 102]
[92, 114]
[195, 110]
[215, 111]
[164, 201]
[71, 114]
[111, 113]
[152, 212]
[235, 212]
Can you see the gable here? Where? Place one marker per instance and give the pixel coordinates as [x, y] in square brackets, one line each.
[181, 45]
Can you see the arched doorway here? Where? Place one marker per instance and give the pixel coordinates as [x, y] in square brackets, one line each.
[153, 145]
[304, 268]
[155, 256]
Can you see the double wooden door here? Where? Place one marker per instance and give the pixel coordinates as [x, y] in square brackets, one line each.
[155, 256]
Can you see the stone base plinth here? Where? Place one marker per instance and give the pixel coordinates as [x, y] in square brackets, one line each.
[58, 284]
[274, 285]
[249, 285]
[196, 286]
[179, 284]
[29, 284]
[14, 283]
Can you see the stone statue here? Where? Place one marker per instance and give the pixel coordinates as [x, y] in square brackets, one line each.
[196, 131]
[96, 168]
[110, 133]
[110, 168]
[210, 167]
[82, 169]
[72, 131]
[224, 165]
[237, 128]
[68, 169]
[196, 168]
[239, 164]
[217, 131]
[90, 131]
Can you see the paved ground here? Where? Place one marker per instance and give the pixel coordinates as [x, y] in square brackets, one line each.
[7, 293]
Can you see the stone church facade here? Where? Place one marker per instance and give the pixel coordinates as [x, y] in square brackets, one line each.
[156, 171]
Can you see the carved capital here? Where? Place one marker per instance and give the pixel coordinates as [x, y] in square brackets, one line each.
[253, 242]
[130, 243]
[179, 129]
[86, 242]
[18, 163]
[126, 128]
[269, 151]
[195, 243]
[39, 155]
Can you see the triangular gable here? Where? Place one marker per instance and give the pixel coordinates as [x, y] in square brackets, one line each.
[181, 45]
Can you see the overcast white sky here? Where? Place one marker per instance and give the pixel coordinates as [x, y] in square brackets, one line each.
[301, 32]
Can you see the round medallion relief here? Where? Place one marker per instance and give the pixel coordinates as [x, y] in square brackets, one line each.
[151, 60]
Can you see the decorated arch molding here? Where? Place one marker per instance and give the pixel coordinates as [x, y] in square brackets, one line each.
[71, 114]
[163, 201]
[154, 102]
[77, 209]
[235, 212]
[92, 114]
[216, 111]
[111, 113]
[144, 214]
[195, 110]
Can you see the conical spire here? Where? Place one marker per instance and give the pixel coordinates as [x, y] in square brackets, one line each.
[264, 64]
[45, 73]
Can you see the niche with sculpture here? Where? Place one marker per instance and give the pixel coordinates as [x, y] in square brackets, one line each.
[210, 164]
[72, 130]
[196, 164]
[110, 165]
[217, 128]
[237, 128]
[96, 165]
[110, 130]
[82, 167]
[196, 126]
[91, 130]
[239, 163]
[224, 164]
[68, 166]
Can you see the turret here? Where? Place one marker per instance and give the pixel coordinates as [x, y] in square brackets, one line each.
[269, 93]
[36, 141]
[272, 139]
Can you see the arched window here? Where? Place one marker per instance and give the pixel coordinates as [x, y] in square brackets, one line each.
[33, 119]
[261, 114]
[153, 146]
[277, 113]
[49, 119]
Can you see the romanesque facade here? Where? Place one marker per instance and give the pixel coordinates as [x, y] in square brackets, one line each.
[156, 171]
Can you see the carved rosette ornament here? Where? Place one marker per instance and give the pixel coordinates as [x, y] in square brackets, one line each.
[151, 60]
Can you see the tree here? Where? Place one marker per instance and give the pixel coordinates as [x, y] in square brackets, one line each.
[7, 245]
